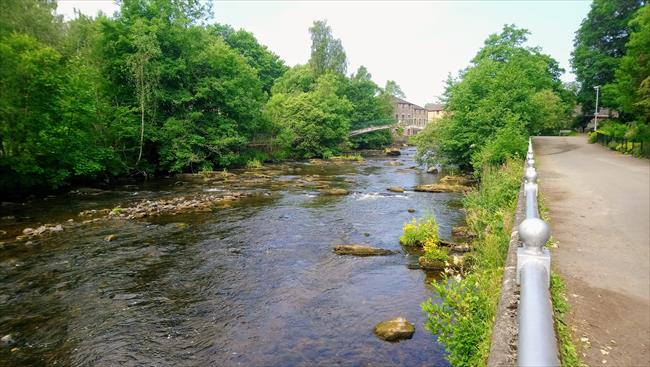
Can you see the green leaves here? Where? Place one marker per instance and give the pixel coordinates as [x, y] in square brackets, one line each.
[509, 86]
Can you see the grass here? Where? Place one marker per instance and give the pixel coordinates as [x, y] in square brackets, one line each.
[254, 164]
[416, 234]
[568, 353]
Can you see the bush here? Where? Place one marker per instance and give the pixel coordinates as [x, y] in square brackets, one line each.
[253, 164]
[417, 234]
[463, 318]
[509, 142]
[593, 137]
[432, 250]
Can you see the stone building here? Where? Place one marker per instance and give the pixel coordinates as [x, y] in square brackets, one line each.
[434, 111]
[411, 117]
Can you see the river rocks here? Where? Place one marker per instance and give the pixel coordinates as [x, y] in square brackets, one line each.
[433, 170]
[335, 191]
[410, 210]
[395, 329]
[393, 152]
[361, 250]
[462, 232]
[458, 180]
[44, 229]
[395, 189]
[429, 264]
[110, 237]
[7, 340]
[441, 188]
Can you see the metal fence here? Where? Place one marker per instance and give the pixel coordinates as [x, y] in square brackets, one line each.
[537, 344]
[631, 146]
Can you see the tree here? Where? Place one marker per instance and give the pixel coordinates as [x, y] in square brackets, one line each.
[370, 106]
[32, 17]
[630, 90]
[599, 45]
[142, 70]
[393, 89]
[313, 123]
[268, 65]
[507, 86]
[327, 54]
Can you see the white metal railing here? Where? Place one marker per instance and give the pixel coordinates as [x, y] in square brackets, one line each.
[537, 345]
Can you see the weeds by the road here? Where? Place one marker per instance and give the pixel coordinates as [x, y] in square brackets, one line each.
[568, 353]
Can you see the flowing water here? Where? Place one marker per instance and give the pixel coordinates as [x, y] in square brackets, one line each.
[251, 284]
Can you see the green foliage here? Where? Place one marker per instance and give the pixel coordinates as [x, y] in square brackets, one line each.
[268, 65]
[393, 89]
[508, 86]
[254, 164]
[313, 123]
[509, 142]
[432, 250]
[417, 234]
[463, 317]
[593, 137]
[568, 354]
[599, 46]
[629, 90]
[327, 54]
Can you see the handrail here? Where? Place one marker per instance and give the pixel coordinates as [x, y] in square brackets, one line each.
[537, 345]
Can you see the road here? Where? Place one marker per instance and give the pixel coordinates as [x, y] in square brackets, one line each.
[599, 207]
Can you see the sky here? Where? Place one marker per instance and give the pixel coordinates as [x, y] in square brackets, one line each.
[416, 43]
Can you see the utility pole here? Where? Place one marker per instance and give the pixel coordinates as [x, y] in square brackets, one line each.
[597, 88]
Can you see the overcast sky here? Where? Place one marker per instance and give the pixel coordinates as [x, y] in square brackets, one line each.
[417, 43]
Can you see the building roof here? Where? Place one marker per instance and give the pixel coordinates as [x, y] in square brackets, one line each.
[434, 106]
[399, 100]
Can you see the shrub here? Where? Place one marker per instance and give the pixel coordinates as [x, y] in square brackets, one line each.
[432, 250]
[509, 142]
[253, 164]
[593, 137]
[463, 318]
[417, 234]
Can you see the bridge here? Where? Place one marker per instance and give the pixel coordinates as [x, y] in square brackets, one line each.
[409, 125]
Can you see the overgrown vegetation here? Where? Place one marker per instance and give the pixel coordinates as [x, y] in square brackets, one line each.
[155, 89]
[417, 234]
[464, 314]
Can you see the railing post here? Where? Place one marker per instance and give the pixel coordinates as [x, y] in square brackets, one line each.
[536, 345]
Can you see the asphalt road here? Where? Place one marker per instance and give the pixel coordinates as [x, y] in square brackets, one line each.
[599, 206]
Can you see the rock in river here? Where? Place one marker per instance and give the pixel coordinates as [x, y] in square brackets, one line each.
[335, 192]
[110, 237]
[395, 329]
[361, 250]
[395, 189]
[442, 188]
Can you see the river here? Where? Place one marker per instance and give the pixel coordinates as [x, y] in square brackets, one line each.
[253, 283]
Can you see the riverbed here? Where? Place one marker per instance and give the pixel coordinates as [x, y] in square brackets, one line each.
[252, 283]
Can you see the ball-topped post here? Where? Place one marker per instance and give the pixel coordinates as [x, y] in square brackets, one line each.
[531, 175]
[534, 232]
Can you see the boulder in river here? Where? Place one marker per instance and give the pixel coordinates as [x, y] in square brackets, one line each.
[429, 264]
[335, 191]
[432, 170]
[441, 188]
[395, 189]
[411, 210]
[393, 152]
[110, 237]
[8, 340]
[361, 250]
[395, 329]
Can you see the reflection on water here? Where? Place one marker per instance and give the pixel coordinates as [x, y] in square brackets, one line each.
[255, 284]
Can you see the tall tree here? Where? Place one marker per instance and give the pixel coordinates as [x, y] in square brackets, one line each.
[268, 65]
[142, 70]
[393, 89]
[630, 90]
[599, 44]
[327, 54]
[508, 90]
